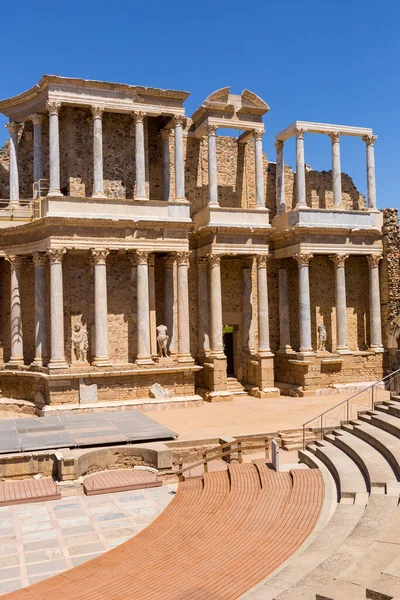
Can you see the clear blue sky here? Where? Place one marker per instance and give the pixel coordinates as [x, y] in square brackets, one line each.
[318, 60]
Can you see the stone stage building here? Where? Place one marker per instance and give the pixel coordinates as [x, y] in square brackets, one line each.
[122, 215]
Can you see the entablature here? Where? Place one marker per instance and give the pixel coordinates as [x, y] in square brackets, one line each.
[219, 216]
[329, 218]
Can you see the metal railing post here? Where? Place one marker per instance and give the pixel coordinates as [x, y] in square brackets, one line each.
[322, 427]
[348, 410]
[205, 462]
[240, 458]
[372, 398]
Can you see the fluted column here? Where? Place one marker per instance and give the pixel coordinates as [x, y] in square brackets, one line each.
[212, 166]
[280, 178]
[182, 261]
[284, 312]
[141, 260]
[17, 341]
[14, 178]
[98, 182]
[341, 309]
[304, 302]
[371, 183]
[170, 301]
[166, 165]
[37, 120]
[54, 148]
[300, 169]
[41, 351]
[203, 307]
[259, 168]
[217, 348]
[57, 352]
[178, 158]
[375, 303]
[336, 169]
[140, 156]
[99, 260]
[263, 311]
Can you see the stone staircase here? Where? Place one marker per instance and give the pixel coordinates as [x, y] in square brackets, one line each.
[235, 387]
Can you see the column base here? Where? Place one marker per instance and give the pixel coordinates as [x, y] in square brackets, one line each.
[54, 193]
[264, 354]
[144, 360]
[15, 361]
[342, 350]
[101, 361]
[37, 362]
[185, 358]
[306, 351]
[99, 195]
[217, 355]
[58, 363]
[180, 199]
[286, 350]
[14, 204]
[142, 198]
[377, 348]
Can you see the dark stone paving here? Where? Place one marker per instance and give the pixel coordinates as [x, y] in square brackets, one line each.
[74, 431]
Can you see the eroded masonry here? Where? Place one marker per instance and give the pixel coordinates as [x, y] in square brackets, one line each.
[139, 247]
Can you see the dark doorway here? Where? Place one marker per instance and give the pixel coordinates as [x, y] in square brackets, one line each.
[228, 349]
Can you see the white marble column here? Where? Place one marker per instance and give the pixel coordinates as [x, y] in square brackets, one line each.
[212, 165]
[37, 120]
[375, 303]
[140, 156]
[54, 148]
[248, 333]
[57, 351]
[280, 178]
[178, 158]
[304, 302]
[170, 301]
[141, 260]
[17, 340]
[203, 307]
[166, 165]
[259, 168]
[336, 170]
[284, 312]
[371, 183]
[182, 262]
[99, 260]
[217, 348]
[341, 308]
[300, 169]
[263, 310]
[98, 182]
[14, 178]
[41, 351]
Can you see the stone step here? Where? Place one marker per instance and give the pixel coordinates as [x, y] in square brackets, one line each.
[348, 477]
[383, 420]
[374, 466]
[384, 588]
[392, 408]
[295, 440]
[235, 387]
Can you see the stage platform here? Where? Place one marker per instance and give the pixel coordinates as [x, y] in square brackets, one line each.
[79, 431]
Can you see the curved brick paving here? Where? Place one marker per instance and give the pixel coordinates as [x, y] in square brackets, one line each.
[215, 540]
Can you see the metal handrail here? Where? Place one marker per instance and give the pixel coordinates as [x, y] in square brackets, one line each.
[347, 401]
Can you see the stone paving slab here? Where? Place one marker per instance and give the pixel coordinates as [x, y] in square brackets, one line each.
[75, 431]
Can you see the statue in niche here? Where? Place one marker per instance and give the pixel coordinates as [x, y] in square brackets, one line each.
[162, 341]
[80, 344]
[321, 337]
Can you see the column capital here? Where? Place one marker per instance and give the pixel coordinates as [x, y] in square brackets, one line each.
[138, 116]
[302, 259]
[214, 260]
[56, 255]
[97, 111]
[139, 257]
[299, 133]
[335, 136]
[53, 107]
[169, 260]
[179, 120]
[211, 129]
[182, 258]
[339, 259]
[258, 134]
[15, 261]
[165, 134]
[262, 261]
[36, 118]
[39, 259]
[369, 139]
[12, 127]
[279, 144]
[202, 262]
[373, 260]
[99, 255]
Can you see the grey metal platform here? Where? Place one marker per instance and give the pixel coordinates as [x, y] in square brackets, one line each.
[78, 431]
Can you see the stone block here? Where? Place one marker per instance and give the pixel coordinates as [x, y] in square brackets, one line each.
[87, 392]
[219, 396]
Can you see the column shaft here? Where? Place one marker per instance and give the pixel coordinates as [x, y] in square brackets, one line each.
[375, 302]
[300, 169]
[99, 258]
[14, 178]
[41, 355]
[248, 337]
[280, 179]
[166, 165]
[336, 170]
[284, 314]
[143, 308]
[170, 302]
[371, 183]
[263, 311]
[179, 160]
[304, 302]
[259, 168]
[203, 307]
[57, 353]
[140, 157]
[212, 166]
[182, 259]
[152, 307]
[17, 344]
[217, 348]
[54, 148]
[98, 182]
[340, 293]
[37, 120]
